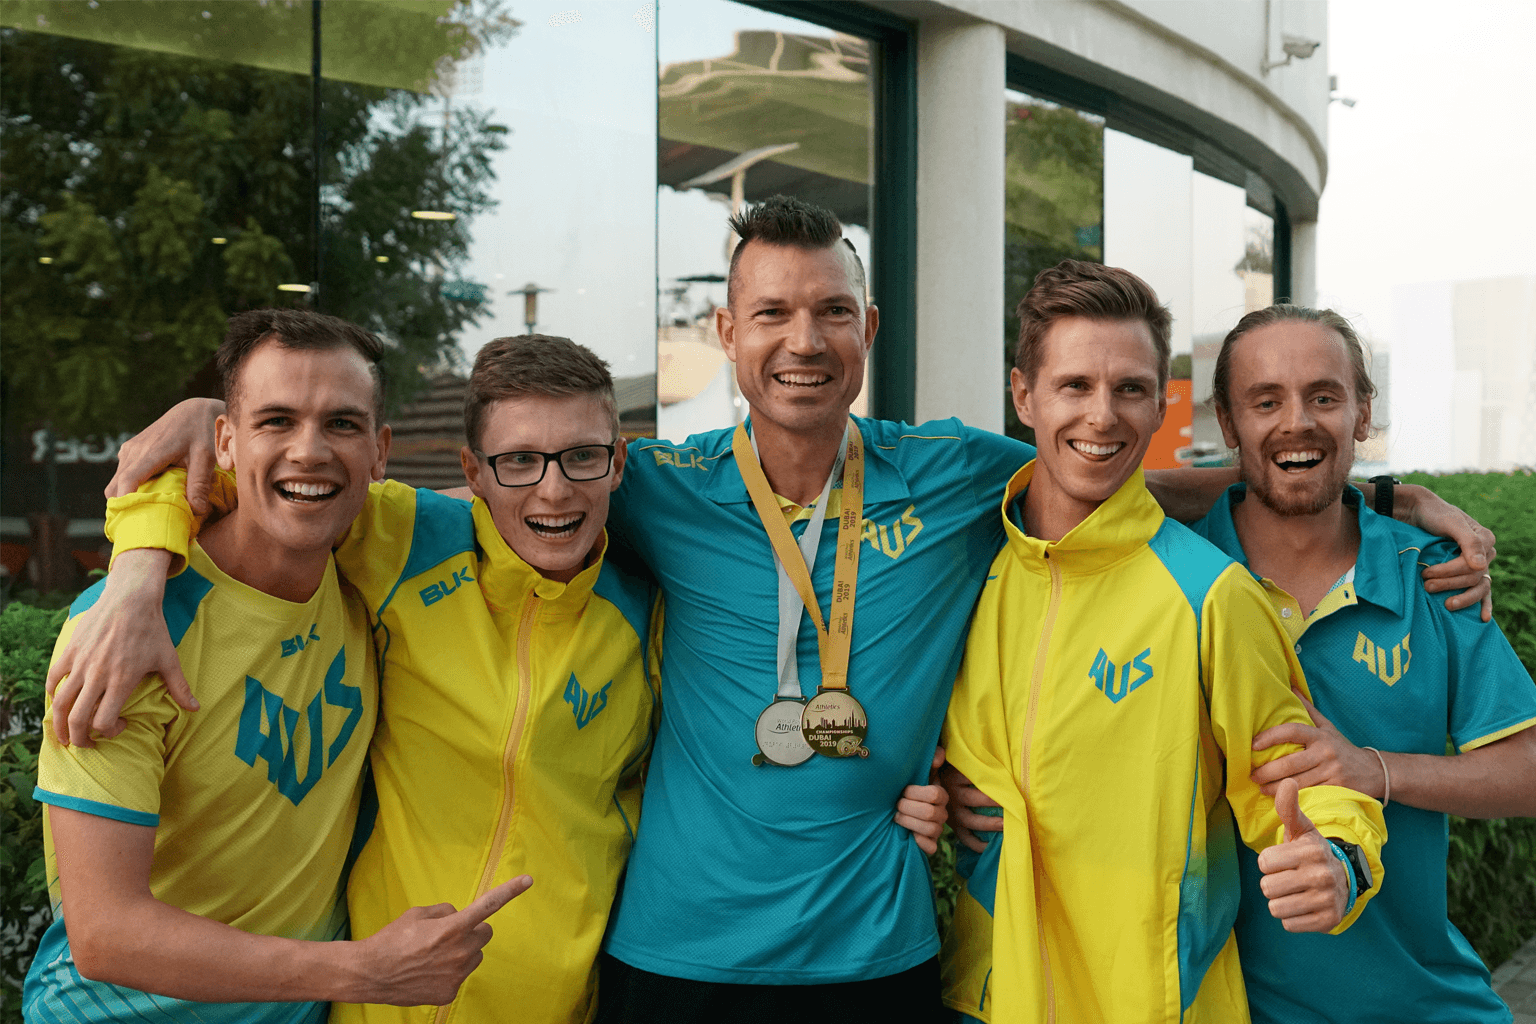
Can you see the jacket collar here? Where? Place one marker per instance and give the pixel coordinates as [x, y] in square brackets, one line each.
[506, 580]
[883, 480]
[1124, 523]
[1378, 579]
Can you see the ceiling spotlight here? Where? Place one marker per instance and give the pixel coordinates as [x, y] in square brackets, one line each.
[381, 259]
[293, 287]
[220, 241]
[45, 259]
[434, 215]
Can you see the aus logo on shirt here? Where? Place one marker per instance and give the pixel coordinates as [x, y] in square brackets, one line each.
[1377, 658]
[1115, 681]
[273, 731]
[585, 706]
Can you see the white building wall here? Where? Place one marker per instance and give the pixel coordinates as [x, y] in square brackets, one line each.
[1464, 375]
[960, 220]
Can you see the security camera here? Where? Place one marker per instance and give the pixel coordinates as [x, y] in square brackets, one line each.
[1295, 46]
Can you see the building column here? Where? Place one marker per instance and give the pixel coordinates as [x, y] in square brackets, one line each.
[1304, 262]
[960, 209]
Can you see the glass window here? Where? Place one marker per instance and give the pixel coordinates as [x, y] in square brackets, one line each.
[1054, 182]
[749, 104]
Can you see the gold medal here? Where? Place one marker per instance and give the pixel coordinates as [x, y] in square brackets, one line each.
[834, 724]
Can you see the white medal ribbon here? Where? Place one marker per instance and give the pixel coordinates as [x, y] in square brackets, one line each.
[790, 605]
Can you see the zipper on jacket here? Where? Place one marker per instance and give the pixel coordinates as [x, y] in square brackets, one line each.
[1042, 649]
[508, 758]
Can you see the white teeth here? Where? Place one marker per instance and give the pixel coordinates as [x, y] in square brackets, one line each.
[554, 522]
[1306, 456]
[308, 490]
[1097, 449]
[550, 525]
[802, 379]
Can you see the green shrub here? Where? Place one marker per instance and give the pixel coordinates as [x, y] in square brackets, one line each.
[1492, 866]
[26, 643]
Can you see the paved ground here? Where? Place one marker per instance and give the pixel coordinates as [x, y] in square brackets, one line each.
[1516, 982]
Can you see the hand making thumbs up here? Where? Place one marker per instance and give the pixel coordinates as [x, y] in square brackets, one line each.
[1306, 884]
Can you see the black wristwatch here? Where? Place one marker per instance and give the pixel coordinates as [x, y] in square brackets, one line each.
[1383, 502]
[1357, 861]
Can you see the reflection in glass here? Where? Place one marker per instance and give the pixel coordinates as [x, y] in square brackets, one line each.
[556, 220]
[1054, 205]
[749, 105]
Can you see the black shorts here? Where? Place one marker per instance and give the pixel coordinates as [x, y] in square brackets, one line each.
[628, 995]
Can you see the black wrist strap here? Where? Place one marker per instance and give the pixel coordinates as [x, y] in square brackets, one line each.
[1383, 502]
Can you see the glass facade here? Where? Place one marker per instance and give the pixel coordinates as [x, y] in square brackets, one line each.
[1054, 206]
[749, 104]
[1080, 188]
[449, 172]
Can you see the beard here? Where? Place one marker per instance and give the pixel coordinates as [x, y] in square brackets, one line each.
[1267, 482]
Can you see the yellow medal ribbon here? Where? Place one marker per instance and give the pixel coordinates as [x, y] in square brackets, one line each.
[835, 644]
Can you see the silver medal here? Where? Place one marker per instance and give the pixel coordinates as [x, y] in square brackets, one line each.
[779, 735]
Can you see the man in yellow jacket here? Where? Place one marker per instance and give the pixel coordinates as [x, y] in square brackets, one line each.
[1116, 672]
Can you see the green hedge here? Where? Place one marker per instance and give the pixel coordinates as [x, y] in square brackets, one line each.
[26, 642]
[1492, 868]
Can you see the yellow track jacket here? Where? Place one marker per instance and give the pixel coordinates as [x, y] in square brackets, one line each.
[514, 715]
[1111, 687]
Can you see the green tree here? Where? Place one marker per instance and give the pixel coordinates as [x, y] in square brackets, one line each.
[148, 194]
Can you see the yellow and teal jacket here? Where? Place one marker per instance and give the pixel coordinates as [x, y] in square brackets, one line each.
[515, 715]
[1111, 687]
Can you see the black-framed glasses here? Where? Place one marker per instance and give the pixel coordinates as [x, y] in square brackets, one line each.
[524, 469]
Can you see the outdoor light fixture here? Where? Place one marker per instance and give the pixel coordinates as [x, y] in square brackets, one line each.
[293, 287]
[220, 241]
[381, 259]
[45, 259]
[434, 215]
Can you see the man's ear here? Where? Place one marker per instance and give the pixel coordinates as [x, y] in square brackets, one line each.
[1228, 432]
[471, 465]
[1363, 424]
[224, 442]
[1020, 389]
[725, 330]
[385, 436]
[871, 326]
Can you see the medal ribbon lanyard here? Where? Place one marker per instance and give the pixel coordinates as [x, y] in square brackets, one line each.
[834, 644]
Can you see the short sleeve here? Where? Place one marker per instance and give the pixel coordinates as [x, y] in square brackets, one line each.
[1491, 693]
[119, 778]
[993, 458]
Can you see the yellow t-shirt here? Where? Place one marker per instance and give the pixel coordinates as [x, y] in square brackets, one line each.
[253, 798]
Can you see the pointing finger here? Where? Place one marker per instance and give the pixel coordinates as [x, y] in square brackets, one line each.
[494, 900]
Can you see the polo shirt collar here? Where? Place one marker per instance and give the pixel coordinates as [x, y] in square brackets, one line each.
[1377, 578]
[883, 479]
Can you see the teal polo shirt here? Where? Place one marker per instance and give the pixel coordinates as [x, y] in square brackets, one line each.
[1391, 668]
[771, 875]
